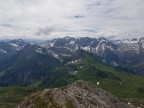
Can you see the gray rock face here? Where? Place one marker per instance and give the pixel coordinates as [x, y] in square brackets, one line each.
[80, 94]
[127, 53]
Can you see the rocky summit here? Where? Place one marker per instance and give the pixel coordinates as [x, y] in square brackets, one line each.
[80, 94]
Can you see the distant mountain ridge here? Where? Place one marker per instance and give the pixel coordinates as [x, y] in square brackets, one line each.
[29, 65]
[127, 53]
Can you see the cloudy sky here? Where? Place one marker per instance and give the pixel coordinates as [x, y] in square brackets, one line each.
[46, 19]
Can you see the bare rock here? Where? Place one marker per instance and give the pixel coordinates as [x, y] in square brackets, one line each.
[80, 94]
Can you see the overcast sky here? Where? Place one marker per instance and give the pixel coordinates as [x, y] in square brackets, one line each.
[46, 19]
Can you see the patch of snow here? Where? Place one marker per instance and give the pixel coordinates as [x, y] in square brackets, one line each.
[52, 44]
[66, 55]
[72, 42]
[117, 41]
[32, 43]
[54, 55]
[103, 47]
[75, 72]
[3, 51]
[15, 46]
[86, 48]
[98, 83]
[97, 48]
[67, 37]
[101, 41]
[39, 50]
[74, 61]
[110, 48]
[65, 47]
[115, 64]
[44, 45]
[76, 47]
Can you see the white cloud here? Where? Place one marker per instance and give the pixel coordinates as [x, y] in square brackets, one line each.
[52, 18]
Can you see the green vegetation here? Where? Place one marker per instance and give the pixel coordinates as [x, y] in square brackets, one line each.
[40, 103]
[11, 96]
[1, 74]
[120, 82]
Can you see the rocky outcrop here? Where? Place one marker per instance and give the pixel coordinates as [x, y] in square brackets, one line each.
[80, 94]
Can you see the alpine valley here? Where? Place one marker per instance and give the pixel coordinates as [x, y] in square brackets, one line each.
[64, 72]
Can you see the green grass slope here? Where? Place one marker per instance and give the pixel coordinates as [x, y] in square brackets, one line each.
[81, 66]
[10, 97]
[27, 67]
[127, 86]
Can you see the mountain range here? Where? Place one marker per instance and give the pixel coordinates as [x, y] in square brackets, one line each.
[117, 65]
[125, 53]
